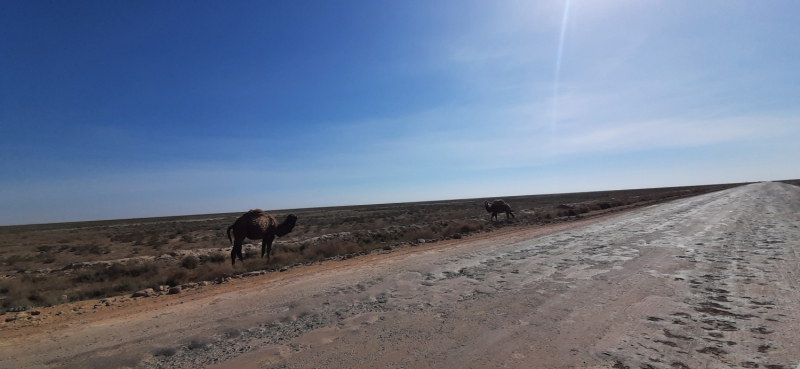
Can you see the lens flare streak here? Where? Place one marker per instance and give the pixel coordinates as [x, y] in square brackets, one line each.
[558, 72]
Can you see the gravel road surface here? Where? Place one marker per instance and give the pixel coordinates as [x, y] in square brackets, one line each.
[705, 282]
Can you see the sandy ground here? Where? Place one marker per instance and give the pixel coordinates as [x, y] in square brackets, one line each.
[705, 282]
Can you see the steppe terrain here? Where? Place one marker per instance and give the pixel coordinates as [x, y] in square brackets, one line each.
[49, 264]
[707, 281]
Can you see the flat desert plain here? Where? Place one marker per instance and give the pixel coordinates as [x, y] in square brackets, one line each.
[709, 281]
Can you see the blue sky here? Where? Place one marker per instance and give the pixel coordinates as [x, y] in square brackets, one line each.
[135, 109]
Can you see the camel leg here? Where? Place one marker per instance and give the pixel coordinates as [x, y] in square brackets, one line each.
[266, 246]
[236, 250]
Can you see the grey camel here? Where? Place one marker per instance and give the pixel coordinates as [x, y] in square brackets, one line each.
[498, 206]
[256, 224]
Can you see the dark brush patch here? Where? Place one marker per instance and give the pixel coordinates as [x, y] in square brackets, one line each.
[761, 330]
[719, 298]
[721, 325]
[165, 351]
[669, 334]
[712, 350]
[714, 311]
[714, 305]
[668, 343]
[620, 365]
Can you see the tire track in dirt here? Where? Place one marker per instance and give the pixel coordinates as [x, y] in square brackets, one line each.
[730, 316]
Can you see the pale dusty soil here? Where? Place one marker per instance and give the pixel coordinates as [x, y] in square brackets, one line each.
[703, 282]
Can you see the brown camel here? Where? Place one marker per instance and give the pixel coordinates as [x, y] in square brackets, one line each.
[256, 224]
[498, 206]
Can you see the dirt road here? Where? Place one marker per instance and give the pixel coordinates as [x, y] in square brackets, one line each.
[704, 282]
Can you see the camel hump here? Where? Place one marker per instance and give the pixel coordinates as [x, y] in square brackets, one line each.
[256, 217]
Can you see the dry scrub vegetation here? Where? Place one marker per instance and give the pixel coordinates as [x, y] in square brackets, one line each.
[42, 265]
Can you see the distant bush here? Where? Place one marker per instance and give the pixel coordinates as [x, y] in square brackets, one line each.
[88, 249]
[13, 259]
[48, 259]
[156, 242]
[44, 248]
[127, 237]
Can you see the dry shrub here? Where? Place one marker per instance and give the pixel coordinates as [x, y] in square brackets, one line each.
[45, 248]
[329, 249]
[569, 212]
[14, 259]
[286, 247]
[178, 277]
[462, 227]
[165, 351]
[38, 290]
[211, 272]
[47, 259]
[212, 258]
[251, 254]
[190, 262]
[116, 271]
[87, 249]
[415, 234]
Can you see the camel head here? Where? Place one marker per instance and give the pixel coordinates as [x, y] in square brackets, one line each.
[488, 208]
[287, 225]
